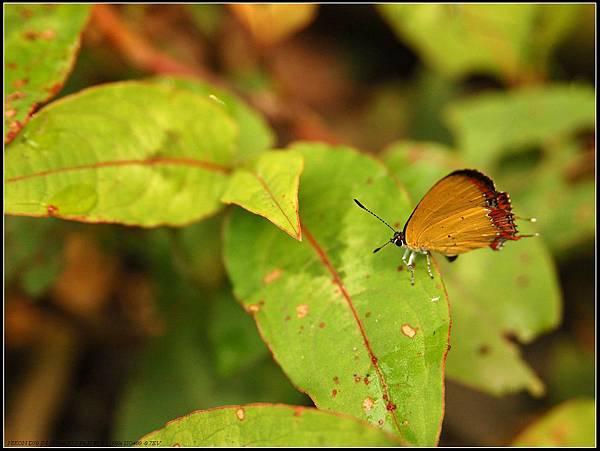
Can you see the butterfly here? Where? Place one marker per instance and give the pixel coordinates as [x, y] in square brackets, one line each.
[460, 213]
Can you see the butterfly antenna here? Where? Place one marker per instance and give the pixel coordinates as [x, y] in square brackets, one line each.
[369, 211]
[381, 247]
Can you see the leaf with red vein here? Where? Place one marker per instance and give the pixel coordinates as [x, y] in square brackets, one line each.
[132, 153]
[267, 425]
[42, 42]
[332, 312]
[270, 188]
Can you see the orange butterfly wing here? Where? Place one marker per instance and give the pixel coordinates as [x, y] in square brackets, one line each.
[460, 213]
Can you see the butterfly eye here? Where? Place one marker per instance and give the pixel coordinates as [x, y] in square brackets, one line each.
[398, 239]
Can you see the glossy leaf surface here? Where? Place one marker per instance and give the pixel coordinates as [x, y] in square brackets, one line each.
[346, 325]
[133, 153]
[267, 425]
[269, 188]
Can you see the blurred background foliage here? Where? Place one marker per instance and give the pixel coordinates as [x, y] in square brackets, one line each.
[105, 323]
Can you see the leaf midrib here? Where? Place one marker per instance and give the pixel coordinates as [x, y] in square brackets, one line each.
[156, 161]
[338, 281]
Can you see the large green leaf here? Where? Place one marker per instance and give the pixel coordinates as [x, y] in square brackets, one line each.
[512, 41]
[494, 295]
[255, 135]
[346, 325]
[269, 188]
[132, 153]
[571, 423]
[41, 42]
[267, 425]
[489, 125]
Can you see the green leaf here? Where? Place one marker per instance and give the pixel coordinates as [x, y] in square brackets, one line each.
[494, 295]
[267, 425]
[419, 164]
[512, 41]
[345, 325]
[41, 43]
[270, 189]
[234, 337]
[255, 136]
[564, 208]
[133, 153]
[458, 39]
[569, 424]
[487, 126]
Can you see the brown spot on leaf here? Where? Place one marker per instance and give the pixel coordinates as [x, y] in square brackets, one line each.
[368, 404]
[252, 308]
[55, 88]
[48, 35]
[52, 210]
[26, 13]
[288, 317]
[400, 268]
[397, 225]
[302, 310]
[10, 113]
[336, 380]
[357, 379]
[366, 380]
[369, 180]
[11, 65]
[272, 276]
[14, 96]
[321, 325]
[483, 349]
[522, 280]
[20, 83]
[367, 315]
[334, 393]
[408, 330]
[30, 35]
[525, 258]
[240, 414]
[380, 422]
[374, 360]
[390, 406]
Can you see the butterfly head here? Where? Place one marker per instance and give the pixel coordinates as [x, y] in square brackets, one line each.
[398, 239]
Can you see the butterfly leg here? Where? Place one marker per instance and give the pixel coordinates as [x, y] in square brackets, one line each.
[411, 267]
[429, 265]
[406, 252]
